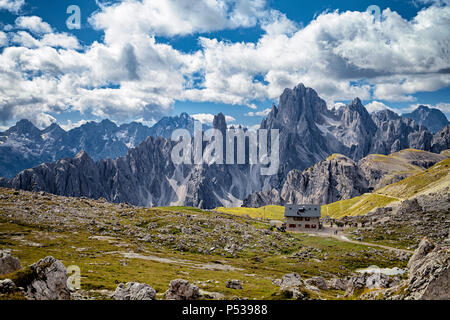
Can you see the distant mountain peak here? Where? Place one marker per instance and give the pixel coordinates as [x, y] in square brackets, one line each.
[24, 126]
[432, 118]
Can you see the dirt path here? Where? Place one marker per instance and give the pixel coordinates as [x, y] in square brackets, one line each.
[329, 232]
[369, 244]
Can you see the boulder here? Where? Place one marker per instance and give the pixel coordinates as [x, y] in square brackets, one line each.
[234, 284]
[409, 206]
[7, 286]
[425, 247]
[134, 291]
[8, 263]
[337, 284]
[317, 282]
[47, 280]
[290, 280]
[368, 280]
[180, 289]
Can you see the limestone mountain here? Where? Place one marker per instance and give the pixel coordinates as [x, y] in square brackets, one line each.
[432, 118]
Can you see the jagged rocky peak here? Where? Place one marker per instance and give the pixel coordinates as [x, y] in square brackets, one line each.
[384, 115]
[299, 103]
[24, 126]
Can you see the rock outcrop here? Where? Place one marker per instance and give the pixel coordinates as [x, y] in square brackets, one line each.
[333, 179]
[181, 290]
[441, 140]
[134, 291]
[234, 284]
[429, 273]
[428, 276]
[8, 263]
[47, 280]
[7, 286]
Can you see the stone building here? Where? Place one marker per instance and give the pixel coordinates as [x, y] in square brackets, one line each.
[303, 217]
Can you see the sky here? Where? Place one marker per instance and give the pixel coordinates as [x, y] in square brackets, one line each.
[140, 60]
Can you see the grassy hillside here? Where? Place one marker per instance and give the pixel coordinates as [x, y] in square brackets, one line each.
[433, 179]
[114, 243]
[267, 212]
[356, 206]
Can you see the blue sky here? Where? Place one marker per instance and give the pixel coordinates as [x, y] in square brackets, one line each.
[135, 60]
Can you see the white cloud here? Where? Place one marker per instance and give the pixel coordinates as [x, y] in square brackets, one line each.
[12, 5]
[130, 75]
[175, 17]
[377, 106]
[34, 24]
[209, 118]
[262, 113]
[444, 107]
[71, 125]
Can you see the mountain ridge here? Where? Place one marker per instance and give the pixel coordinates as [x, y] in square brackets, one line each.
[309, 133]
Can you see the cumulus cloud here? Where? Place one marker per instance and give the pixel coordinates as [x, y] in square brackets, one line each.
[130, 75]
[34, 24]
[175, 17]
[377, 106]
[262, 113]
[71, 125]
[209, 118]
[12, 5]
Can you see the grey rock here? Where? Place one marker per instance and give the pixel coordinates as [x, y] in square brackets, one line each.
[368, 280]
[181, 290]
[134, 291]
[7, 286]
[25, 146]
[49, 281]
[290, 280]
[8, 263]
[333, 179]
[441, 140]
[337, 284]
[234, 284]
[429, 273]
[318, 282]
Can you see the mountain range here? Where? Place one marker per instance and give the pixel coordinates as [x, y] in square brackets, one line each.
[309, 133]
[24, 146]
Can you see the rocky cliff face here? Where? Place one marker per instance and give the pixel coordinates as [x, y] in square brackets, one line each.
[441, 140]
[145, 177]
[335, 178]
